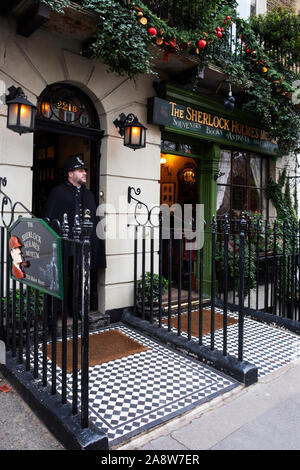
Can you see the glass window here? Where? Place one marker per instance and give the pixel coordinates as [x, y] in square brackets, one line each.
[239, 168]
[241, 183]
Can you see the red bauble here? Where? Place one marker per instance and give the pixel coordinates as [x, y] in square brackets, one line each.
[248, 51]
[228, 17]
[218, 28]
[152, 31]
[219, 34]
[201, 44]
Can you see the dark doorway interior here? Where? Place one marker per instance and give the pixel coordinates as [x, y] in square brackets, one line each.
[50, 151]
[179, 185]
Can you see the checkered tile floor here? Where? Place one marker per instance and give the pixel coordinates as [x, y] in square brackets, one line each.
[266, 346]
[138, 392]
[130, 395]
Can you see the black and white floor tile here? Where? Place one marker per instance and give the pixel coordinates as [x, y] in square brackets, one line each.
[266, 346]
[135, 393]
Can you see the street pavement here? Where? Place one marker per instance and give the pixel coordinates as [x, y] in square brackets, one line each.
[264, 416]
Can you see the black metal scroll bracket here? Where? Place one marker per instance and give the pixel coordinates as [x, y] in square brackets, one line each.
[139, 204]
[7, 201]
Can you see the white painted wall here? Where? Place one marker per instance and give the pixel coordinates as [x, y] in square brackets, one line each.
[23, 62]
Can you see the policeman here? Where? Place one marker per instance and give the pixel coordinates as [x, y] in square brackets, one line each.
[73, 198]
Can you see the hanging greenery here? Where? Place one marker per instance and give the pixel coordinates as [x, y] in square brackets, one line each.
[280, 196]
[129, 35]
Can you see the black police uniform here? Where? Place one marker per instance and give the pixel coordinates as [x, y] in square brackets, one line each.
[68, 199]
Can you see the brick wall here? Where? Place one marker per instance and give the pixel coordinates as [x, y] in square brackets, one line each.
[284, 3]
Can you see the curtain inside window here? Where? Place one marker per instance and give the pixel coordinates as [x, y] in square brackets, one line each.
[224, 168]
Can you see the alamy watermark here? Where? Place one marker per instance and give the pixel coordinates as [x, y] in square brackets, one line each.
[186, 222]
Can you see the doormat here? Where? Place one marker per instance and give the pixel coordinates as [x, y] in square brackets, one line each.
[104, 346]
[206, 322]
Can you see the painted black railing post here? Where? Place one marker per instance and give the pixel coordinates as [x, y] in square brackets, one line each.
[14, 325]
[180, 251]
[241, 289]
[135, 270]
[170, 265]
[225, 305]
[213, 279]
[292, 276]
[283, 284]
[143, 271]
[21, 324]
[266, 303]
[257, 262]
[35, 334]
[249, 242]
[76, 292]
[64, 235]
[28, 325]
[275, 270]
[151, 271]
[160, 271]
[87, 228]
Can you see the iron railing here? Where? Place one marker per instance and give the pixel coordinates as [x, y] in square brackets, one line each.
[42, 332]
[244, 267]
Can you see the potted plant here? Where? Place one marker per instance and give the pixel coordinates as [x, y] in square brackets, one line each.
[147, 293]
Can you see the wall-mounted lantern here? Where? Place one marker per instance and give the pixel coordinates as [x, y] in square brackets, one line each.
[21, 113]
[133, 131]
[229, 101]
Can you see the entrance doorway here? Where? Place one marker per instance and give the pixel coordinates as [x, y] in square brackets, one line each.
[50, 152]
[66, 124]
[179, 185]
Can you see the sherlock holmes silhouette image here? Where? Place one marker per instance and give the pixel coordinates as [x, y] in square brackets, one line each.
[73, 198]
[15, 249]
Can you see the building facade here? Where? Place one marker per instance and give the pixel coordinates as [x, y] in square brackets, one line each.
[225, 166]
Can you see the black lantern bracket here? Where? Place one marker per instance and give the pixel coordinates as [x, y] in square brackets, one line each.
[17, 106]
[14, 92]
[133, 132]
[123, 120]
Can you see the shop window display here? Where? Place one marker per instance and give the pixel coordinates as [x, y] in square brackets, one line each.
[241, 184]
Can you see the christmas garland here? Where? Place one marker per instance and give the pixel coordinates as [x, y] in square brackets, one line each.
[127, 30]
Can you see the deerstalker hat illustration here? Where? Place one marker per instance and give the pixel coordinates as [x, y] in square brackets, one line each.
[14, 242]
[74, 162]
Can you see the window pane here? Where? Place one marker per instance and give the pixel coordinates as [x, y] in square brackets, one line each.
[254, 200]
[239, 168]
[224, 167]
[168, 145]
[223, 200]
[255, 178]
[239, 199]
[264, 172]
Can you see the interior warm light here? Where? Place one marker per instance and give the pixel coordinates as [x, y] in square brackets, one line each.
[135, 130]
[20, 113]
[163, 160]
[46, 109]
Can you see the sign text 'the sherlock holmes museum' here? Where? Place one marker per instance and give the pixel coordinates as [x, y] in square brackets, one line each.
[209, 126]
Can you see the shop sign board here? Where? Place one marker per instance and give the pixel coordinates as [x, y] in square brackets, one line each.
[35, 255]
[208, 125]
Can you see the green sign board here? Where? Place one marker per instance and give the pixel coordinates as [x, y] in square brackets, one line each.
[209, 126]
[35, 256]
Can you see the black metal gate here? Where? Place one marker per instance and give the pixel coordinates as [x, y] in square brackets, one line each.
[245, 266]
[43, 334]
